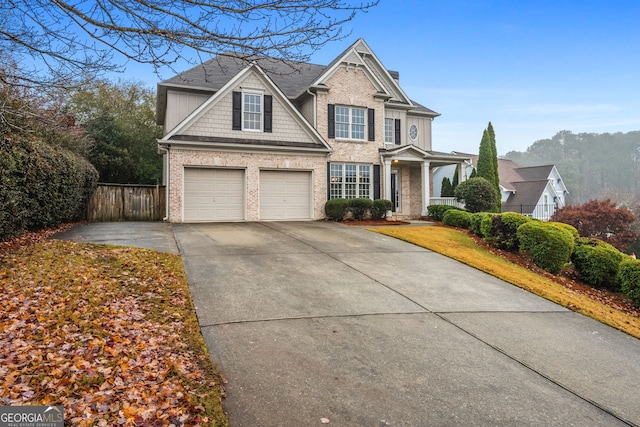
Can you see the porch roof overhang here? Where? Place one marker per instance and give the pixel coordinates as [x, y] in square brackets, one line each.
[411, 153]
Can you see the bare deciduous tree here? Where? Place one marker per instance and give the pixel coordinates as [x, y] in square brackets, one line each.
[61, 41]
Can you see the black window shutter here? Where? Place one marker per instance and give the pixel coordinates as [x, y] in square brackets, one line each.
[376, 182]
[332, 120]
[328, 180]
[237, 111]
[372, 124]
[397, 124]
[268, 113]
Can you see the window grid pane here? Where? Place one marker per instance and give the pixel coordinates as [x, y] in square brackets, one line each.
[252, 111]
[342, 122]
[388, 130]
[364, 181]
[357, 123]
[335, 188]
[350, 180]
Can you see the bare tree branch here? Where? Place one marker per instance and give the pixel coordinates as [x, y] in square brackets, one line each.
[62, 40]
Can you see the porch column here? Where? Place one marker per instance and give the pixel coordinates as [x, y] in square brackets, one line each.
[462, 174]
[386, 192]
[426, 186]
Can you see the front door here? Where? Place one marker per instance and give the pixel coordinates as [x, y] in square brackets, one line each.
[395, 192]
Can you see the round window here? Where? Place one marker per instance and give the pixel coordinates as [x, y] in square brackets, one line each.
[413, 132]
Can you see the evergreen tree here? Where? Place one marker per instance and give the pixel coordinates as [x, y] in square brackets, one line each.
[446, 190]
[486, 167]
[494, 158]
[456, 180]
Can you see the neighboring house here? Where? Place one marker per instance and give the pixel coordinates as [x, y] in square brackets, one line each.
[536, 191]
[274, 140]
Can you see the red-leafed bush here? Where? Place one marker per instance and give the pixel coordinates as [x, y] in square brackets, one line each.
[602, 219]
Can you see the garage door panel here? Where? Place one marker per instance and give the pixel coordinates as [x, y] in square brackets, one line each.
[213, 194]
[285, 195]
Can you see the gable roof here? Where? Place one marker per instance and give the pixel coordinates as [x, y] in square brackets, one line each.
[175, 134]
[531, 173]
[527, 193]
[291, 77]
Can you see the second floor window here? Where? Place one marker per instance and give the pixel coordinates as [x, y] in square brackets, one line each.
[350, 122]
[252, 111]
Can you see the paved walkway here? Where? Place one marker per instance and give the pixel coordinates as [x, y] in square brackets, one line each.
[316, 321]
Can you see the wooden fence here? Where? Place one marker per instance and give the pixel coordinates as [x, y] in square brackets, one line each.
[119, 202]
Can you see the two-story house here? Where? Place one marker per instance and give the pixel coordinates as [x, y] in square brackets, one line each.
[269, 139]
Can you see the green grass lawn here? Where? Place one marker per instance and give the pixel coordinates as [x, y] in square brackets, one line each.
[459, 246]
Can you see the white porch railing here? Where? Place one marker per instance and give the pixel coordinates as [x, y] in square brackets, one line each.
[449, 201]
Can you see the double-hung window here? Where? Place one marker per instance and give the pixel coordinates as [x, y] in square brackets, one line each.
[349, 180]
[351, 123]
[252, 111]
[392, 131]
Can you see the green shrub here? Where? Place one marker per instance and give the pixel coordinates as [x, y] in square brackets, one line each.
[475, 222]
[457, 218]
[485, 226]
[478, 195]
[380, 208]
[570, 228]
[597, 262]
[436, 212]
[501, 230]
[628, 279]
[360, 208]
[549, 247]
[42, 185]
[336, 209]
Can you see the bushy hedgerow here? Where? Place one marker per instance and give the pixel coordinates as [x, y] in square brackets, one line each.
[501, 230]
[360, 207]
[628, 279]
[456, 218]
[597, 262]
[475, 222]
[41, 185]
[436, 212]
[380, 208]
[550, 247]
[336, 209]
[478, 195]
[570, 228]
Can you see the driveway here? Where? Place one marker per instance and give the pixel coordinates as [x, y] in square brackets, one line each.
[313, 322]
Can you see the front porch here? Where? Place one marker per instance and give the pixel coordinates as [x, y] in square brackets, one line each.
[407, 179]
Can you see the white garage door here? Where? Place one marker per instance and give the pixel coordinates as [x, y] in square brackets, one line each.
[213, 194]
[285, 195]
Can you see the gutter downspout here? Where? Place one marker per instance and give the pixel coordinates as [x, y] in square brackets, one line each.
[165, 151]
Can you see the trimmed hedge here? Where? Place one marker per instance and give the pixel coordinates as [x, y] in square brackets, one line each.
[501, 230]
[380, 208]
[629, 279]
[336, 209]
[41, 185]
[597, 262]
[360, 207]
[457, 218]
[475, 222]
[570, 228]
[436, 212]
[339, 209]
[550, 247]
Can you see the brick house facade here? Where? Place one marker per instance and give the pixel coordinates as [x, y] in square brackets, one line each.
[274, 140]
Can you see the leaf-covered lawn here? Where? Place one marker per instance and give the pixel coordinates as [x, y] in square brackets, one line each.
[109, 333]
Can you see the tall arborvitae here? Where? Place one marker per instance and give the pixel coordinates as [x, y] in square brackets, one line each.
[494, 158]
[446, 190]
[486, 167]
[456, 180]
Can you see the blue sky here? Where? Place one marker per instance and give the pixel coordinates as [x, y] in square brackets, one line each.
[532, 68]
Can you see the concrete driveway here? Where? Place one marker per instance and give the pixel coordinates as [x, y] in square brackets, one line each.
[313, 322]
